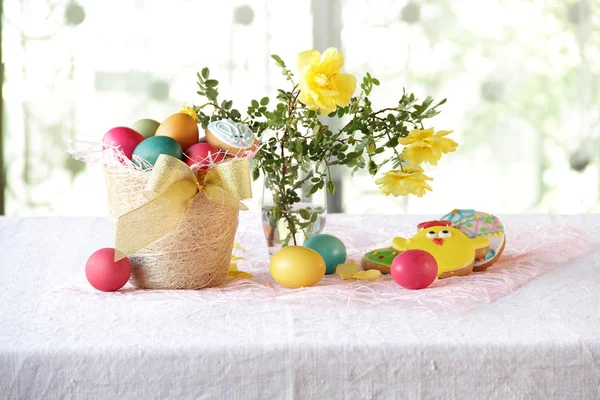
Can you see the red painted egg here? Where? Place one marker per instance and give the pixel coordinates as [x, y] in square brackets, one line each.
[414, 269]
[126, 138]
[198, 153]
[104, 273]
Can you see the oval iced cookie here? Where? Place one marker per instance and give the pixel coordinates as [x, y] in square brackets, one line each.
[380, 259]
[479, 224]
[233, 137]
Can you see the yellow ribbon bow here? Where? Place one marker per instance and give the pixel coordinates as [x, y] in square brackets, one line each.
[170, 190]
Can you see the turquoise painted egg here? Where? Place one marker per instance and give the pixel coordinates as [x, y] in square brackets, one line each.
[154, 146]
[146, 127]
[330, 248]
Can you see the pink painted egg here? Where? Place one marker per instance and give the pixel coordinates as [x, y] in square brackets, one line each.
[126, 138]
[104, 273]
[414, 269]
[199, 153]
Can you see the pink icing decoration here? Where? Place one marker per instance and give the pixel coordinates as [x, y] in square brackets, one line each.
[477, 223]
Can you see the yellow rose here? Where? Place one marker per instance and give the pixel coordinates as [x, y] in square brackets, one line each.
[322, 84]
[402, 183]
[425, 146]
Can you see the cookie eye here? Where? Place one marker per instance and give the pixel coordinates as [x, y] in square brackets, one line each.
[430, 234]
[444, 234]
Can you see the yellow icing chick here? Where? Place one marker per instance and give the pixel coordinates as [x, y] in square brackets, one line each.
[452, 249]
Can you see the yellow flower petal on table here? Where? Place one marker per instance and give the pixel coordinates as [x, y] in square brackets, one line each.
[369, 275]
[236, 245]
[240, 274]
[402, 183]
[234, 272]
[233, 269]
[322, 84]
[423, 145]
[349, 268]
[189, 111]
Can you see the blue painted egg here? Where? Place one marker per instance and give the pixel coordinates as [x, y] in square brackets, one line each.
[154, 146]
[330, 248]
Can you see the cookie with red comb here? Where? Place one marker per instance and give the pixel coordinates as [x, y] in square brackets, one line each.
[453, 250]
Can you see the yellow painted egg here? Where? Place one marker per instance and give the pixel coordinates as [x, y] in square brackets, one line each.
[297, 266]
[180, 127]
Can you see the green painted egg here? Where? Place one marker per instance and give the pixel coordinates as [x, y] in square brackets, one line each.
[146, 127]
[330, 248]
[149, 149]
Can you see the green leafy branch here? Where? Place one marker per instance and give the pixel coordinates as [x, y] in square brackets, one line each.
[293, 136]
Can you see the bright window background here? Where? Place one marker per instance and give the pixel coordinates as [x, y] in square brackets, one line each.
[521, 78]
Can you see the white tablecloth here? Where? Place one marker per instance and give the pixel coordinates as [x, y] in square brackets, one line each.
[61, 339]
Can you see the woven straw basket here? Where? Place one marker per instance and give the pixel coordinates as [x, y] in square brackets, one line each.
[195, 255]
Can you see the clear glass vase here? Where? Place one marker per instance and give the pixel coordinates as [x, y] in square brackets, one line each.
[292, 224]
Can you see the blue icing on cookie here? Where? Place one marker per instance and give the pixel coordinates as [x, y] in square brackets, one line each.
[459, 215]
[489, 255]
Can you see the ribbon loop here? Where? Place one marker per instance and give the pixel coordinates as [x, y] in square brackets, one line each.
[166, 171]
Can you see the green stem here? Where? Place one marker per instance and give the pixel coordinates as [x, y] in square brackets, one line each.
[328, 170]
[284, 166]
[208, 104]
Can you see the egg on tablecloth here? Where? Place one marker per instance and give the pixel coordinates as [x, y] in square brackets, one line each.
[330, 248]
[414, 269]
[106, 274]
[182, 128]
[297, 266]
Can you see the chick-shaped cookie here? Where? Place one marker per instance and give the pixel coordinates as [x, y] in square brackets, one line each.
[452, 249]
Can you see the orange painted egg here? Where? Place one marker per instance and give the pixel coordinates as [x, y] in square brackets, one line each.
[180, 127]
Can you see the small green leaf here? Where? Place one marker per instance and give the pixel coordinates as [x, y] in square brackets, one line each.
[313, 218]
[205, 73]
[304, 213]
[255, 174]
[212, 94]
[255, 104]
[440, 103]
[278, 60]
[235, 115]
[372, 167]
[371, 147]
[331, 187]
[211, 83]
[264, 101]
